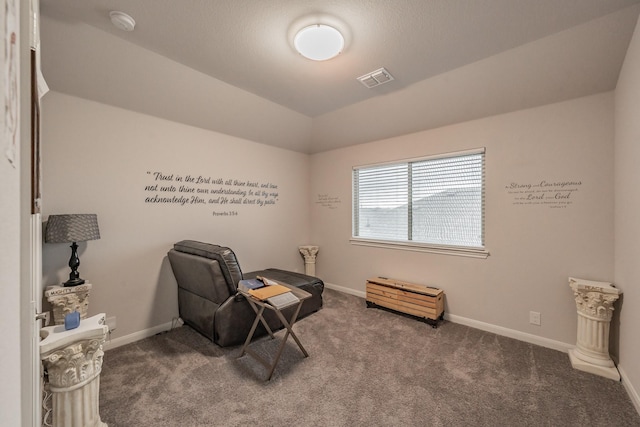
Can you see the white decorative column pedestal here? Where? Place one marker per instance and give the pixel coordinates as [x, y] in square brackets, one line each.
[594, 301]
[65, 300]
[73, 361]
[309, 253]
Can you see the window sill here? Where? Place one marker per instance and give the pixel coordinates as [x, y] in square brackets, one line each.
[422, 247]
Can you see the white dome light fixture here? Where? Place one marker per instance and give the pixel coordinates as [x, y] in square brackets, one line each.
[319, 42]
[122, 21]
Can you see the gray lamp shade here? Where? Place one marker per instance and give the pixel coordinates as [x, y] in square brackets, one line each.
[72, 228]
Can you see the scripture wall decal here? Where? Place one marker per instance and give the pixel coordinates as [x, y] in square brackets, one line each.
[188, 190]
[548, 193]
[327, 201]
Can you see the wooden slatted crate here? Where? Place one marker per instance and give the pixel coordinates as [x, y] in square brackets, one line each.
[409, 298]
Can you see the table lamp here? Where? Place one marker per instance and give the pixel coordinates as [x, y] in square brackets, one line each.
[72, 228]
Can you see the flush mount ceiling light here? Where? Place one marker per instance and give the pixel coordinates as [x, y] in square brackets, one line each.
[122, 21]
[319, 42]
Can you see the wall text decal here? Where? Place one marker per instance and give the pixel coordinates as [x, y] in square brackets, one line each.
[552, 194]
[188, 190]
[327, 201]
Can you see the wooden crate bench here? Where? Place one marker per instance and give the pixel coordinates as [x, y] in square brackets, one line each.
[409, 298]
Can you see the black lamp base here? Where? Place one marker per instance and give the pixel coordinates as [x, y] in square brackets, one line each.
[74, 263]
[73, 282]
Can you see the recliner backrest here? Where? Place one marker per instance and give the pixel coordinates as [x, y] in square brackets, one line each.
[226, 258]
[201, 277]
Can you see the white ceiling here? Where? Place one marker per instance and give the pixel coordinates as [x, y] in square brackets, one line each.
[230, 66]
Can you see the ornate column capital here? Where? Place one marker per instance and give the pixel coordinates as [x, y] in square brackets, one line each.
[594, 299]
[309, 252]
[75, 365]
[65, 300]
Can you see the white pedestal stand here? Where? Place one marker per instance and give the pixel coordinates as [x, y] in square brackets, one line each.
[594, 301]
[309, 253]
[73, 361]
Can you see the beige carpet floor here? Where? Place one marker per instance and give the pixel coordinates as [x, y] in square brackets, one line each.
[367, 367]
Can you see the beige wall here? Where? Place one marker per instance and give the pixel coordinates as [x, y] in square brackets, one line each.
[99, 159]
[627, 213]
[534, 248]
[10, 282]
[10, 291]
[10, 361]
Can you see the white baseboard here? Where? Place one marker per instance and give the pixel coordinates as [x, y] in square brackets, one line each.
[632, 392]
[345, 290]
[511, 333]
[137, 336]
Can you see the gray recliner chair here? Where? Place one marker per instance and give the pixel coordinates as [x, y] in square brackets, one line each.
[208, 300]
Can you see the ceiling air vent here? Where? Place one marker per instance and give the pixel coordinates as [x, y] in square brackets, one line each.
[375, 78]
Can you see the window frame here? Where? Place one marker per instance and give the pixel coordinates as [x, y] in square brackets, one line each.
[466, 251]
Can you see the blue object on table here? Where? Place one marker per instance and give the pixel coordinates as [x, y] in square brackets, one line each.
[71, 320]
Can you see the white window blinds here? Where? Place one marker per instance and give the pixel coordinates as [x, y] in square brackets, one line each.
[435, 201]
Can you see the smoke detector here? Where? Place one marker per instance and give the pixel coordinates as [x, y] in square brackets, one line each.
[122, 21]
[376, 78]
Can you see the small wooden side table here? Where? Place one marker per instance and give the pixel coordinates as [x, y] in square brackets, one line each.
[259, 307]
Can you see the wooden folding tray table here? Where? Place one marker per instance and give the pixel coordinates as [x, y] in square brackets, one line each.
[259, 306]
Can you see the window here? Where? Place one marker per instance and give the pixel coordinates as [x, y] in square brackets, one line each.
[434, 204]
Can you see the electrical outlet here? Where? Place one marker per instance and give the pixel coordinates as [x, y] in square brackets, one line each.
[111, 323]
[534, 318]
